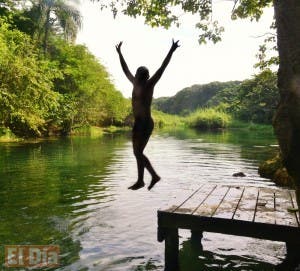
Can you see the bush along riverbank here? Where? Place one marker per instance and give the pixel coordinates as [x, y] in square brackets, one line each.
[208, 118]
[202, 119]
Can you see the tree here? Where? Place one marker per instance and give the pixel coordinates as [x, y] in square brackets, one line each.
[55, 92]
[287, 21]
[54, 16]
[253, 99]
[26, 96]
[89, 97]
[191, 98]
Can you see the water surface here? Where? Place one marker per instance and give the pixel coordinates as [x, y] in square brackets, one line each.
[73, 192]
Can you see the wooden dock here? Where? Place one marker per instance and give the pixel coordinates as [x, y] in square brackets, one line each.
[256, 212]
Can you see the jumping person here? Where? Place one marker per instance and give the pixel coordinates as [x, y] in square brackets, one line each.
[142, 94]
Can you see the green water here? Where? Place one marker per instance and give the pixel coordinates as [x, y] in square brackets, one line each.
[72, 192]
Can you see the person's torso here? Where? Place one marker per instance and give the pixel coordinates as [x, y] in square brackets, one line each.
[141, 100]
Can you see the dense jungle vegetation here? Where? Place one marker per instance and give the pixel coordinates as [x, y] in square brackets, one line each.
[252, 100]
[48, 84]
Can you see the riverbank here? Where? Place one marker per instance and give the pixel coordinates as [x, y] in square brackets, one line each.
[7, 136]
[274, 170]
[162, 120]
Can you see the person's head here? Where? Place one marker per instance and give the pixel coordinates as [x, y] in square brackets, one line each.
[142, 74]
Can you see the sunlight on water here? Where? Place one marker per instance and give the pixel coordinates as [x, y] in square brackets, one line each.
[73, 192]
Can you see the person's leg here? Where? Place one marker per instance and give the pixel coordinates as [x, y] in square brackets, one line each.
[155, 177]
[138, 147]
[140, 137]
[148, 166]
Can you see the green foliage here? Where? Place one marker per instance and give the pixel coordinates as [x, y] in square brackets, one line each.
[251, 126]
[209, 118]
[89, 96]
[166, 13]
[53, 93]
[43, 20]
[191, 98]
[162, 119]
[53, 18]
[26, 96]
[254, 100]
[7, 6]
[259, 98]
[250, 8]
[6, 135]
[265, 61]
[92, 131]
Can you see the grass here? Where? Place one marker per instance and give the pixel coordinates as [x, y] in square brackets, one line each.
[205, 119]
[208, 118]
[238, 124]
[162, 119]
[202, 119]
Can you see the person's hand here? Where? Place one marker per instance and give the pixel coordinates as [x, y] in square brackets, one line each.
[118, 47]
[175, 45]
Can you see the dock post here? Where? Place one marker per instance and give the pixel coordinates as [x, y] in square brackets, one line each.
[291, 261]
[171, 249]
[292, 254]
[196, 237]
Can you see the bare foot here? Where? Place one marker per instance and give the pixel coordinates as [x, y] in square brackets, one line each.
[153, 182]
[137, 185]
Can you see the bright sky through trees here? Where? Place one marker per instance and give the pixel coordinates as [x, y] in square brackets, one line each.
[231, 59]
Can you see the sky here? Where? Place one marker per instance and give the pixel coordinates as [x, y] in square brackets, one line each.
[231, 59]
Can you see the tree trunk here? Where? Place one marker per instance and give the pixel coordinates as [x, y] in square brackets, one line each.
[287, 118]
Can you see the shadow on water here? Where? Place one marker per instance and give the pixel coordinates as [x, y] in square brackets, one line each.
[194, 258]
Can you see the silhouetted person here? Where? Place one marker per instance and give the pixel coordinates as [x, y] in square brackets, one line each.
[142, 94]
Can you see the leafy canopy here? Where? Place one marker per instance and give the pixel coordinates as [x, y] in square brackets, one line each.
[168, 12]
[55, 90]
[26, 96]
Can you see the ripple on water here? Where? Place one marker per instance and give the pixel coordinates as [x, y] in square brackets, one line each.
[80, 188]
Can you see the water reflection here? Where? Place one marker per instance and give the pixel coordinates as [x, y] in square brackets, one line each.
[73, 192]
[192, 258]
[49, 189]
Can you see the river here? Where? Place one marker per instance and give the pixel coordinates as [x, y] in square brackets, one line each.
[73, 192]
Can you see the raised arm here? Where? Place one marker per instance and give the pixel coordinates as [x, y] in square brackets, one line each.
[123, 63]
[157, 75]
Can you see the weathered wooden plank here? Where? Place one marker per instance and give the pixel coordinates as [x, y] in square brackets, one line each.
[196, 199]
[210, 204]
[247, 205]
[273, 232]
[283, 203]
[176, 200]
[295, 205]
[229, 204]
[248, 211]
[265, 207]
